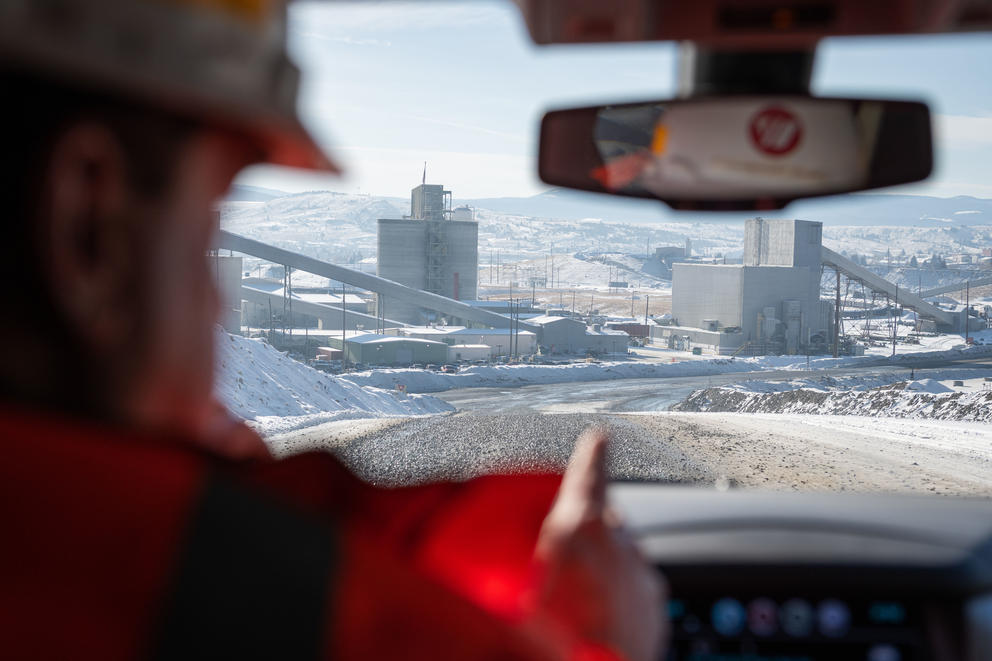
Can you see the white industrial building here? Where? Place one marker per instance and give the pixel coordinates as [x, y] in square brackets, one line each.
[227, 277]
[434, 249]
[771, 301]
[470, 352]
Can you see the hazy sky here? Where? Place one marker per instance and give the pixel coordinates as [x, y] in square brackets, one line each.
[388, 86]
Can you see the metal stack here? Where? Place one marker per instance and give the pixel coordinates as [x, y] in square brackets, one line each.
[429, 250]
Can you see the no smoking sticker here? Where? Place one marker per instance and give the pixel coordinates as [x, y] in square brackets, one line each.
[775, 131]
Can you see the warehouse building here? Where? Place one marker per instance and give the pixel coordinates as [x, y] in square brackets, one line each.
[388, 350]
[563, 335]
[469, 352]
[498, 339]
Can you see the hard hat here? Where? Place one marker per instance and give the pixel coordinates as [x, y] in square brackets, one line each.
[223, 61]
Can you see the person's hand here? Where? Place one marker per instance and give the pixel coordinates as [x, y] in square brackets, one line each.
[596, 586]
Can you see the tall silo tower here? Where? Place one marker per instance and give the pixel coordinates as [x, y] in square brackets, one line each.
[430, 251]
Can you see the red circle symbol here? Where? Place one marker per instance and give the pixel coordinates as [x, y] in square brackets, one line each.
[775, 131]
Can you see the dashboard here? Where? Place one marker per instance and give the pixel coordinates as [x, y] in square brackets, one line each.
[758, 576]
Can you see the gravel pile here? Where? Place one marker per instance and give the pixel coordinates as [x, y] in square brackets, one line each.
[464, 446]
[895, 401]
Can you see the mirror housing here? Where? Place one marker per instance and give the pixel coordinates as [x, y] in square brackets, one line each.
[739, 152]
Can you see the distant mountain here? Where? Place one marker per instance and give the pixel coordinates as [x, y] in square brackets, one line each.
[239, 193]
[857, 209]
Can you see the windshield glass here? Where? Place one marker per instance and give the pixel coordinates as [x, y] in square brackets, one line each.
[438, 312]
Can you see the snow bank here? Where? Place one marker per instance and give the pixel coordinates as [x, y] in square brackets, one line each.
[523, 375]
[928, 385]
[277, 394]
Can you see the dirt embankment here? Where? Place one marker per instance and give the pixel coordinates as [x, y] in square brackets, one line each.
[888, 401]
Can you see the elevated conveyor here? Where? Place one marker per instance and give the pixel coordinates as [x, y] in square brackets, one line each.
[957, 286]
[901, 295]
[444, 305]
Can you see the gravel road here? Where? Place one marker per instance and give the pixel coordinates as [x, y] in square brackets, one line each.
[818, 453]
[462, 446]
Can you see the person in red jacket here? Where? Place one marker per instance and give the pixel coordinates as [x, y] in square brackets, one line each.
[140, 519]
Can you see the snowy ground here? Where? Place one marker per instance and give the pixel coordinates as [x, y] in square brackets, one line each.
[834, 453]
[930, 398]
[277, 394]
[421, 381]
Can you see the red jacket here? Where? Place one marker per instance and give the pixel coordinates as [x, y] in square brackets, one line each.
[119, 545]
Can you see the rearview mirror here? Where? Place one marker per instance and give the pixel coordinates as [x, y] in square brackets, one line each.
[734, 153]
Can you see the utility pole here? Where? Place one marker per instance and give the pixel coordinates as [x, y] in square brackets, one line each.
[895, 321]
[285, 299]
[967, 312]
[647, 304]
[573, 302]
[515, 338]
[344, 325]
[837, 316]
[919, 290]
[289, 282]
[513, 329]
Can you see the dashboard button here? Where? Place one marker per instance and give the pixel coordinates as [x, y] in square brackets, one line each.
[728, 617]
[834, 618]
[884, 653]
[887, 612]
[762, 617]
[797, 618]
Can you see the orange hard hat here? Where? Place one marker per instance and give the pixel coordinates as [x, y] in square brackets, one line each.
[223, 61]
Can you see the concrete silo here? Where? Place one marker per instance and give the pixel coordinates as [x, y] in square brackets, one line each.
[429, 251]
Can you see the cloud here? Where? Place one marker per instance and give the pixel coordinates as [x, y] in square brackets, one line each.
[957, 131]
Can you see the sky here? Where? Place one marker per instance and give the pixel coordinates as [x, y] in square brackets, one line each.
[388, 86]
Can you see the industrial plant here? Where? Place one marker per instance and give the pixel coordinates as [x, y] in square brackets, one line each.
[434, 249]
[780, 293]
[770, 303]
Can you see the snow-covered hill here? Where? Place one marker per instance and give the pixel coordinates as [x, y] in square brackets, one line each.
[341, 228]
[858, 209]
[277, 394]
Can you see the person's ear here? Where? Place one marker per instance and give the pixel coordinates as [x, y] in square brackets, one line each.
[85, 241]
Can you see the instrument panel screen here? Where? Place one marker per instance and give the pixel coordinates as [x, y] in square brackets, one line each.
[794, 628]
